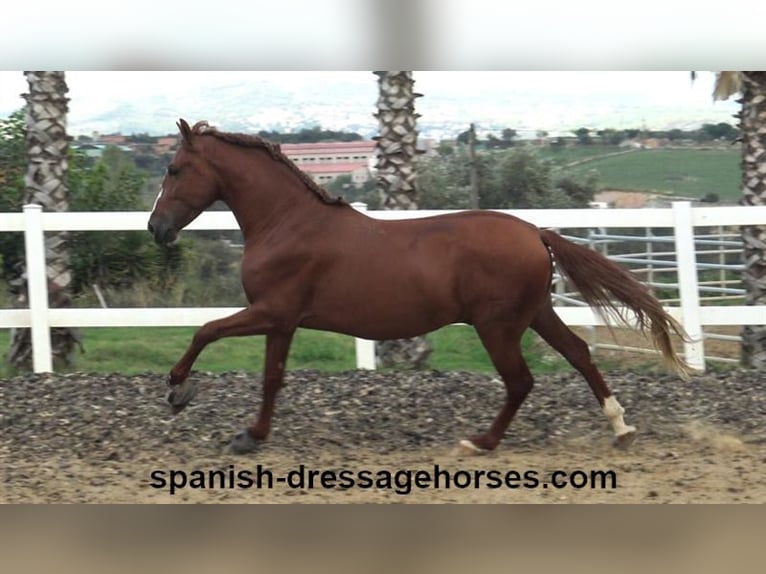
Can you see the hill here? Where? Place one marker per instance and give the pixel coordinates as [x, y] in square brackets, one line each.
[685, 172]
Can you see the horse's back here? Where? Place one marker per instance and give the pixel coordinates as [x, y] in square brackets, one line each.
[487, 238]
[472, 257]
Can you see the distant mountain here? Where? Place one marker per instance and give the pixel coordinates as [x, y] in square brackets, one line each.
[346, 101]
[246, 106]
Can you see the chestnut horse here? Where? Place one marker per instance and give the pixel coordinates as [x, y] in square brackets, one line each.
[313, 261]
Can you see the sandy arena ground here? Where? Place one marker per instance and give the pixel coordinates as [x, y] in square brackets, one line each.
[99, 438]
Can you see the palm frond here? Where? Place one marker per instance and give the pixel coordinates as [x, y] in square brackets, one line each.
[726, 85]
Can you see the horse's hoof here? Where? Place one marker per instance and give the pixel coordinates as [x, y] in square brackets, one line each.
[626, 439]
[180, 396]
[467, 448]
[242, 443]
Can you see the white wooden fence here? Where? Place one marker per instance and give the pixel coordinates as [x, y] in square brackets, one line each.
[681, 217]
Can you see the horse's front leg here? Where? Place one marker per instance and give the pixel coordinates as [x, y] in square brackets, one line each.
[277, 349]
[250, 321]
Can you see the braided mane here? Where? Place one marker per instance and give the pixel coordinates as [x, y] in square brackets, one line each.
[253, 141]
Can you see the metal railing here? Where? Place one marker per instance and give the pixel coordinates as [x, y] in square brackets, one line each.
[653, 258]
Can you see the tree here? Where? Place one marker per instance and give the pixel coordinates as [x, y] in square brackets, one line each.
[675, 134]
[13, 160]
[721, 130]
[444, 149]
[47, 148]
[397, 184]
[508, 179]
[493, 142]
[519, 179]
[115, 261]
[12, 155]
[397, 142]
[752, 125]
[314, 134]
[583, 136]
[578, 194]
[344, 186]
[509, 135]
[611, 136]
[444, 181]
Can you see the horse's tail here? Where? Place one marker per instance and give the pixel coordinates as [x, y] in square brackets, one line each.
[601, 282]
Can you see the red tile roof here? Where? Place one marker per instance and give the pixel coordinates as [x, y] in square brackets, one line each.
[328, 147]
[332, 167]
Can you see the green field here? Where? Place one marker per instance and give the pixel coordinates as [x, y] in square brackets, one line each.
[681, 172]
[130, 350]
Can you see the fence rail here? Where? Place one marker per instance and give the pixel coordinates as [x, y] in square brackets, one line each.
[681, 218]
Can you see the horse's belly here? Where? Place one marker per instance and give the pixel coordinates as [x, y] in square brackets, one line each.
[380, 320]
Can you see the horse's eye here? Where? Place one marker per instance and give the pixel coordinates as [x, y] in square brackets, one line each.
[173, 170]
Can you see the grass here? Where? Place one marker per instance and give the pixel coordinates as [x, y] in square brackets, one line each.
[563, 156]
[681, 172]
[138, 350]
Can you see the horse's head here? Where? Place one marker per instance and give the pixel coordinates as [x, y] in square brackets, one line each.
[189, 187]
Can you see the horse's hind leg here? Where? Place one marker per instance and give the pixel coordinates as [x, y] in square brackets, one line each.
[553, 330]
[504, 349]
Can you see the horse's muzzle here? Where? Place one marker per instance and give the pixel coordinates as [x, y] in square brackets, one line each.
[163, 232]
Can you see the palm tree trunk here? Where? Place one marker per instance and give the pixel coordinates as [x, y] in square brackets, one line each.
[753, 126]
[397, 185]
[397, 143]
[45, 184]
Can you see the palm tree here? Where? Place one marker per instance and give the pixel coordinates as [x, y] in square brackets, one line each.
[397, 184]
[752, 124]
[45, 184]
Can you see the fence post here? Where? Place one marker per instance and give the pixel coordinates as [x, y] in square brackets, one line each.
[365, 354]
[688, 287]
[721, 257]
[365, 349]
[37, 288]
[650, 255]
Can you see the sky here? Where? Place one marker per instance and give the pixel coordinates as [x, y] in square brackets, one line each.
[661, 86]
[481, 35]
[548, 99]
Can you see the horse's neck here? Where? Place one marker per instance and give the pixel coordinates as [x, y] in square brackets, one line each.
[262, 202]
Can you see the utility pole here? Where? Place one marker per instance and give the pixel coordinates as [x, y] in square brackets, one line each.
[473, 169]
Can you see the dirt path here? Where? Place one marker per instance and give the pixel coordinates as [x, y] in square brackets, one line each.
[717, 469]
[81, 438]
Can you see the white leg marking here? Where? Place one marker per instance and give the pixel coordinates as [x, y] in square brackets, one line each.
[468, 448]
[614, 411]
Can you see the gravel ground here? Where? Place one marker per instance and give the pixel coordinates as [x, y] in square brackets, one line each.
[98, 438]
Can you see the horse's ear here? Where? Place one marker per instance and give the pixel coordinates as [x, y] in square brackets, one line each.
[185, 130]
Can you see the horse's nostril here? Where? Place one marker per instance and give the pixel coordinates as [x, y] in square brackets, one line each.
[150, 227]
